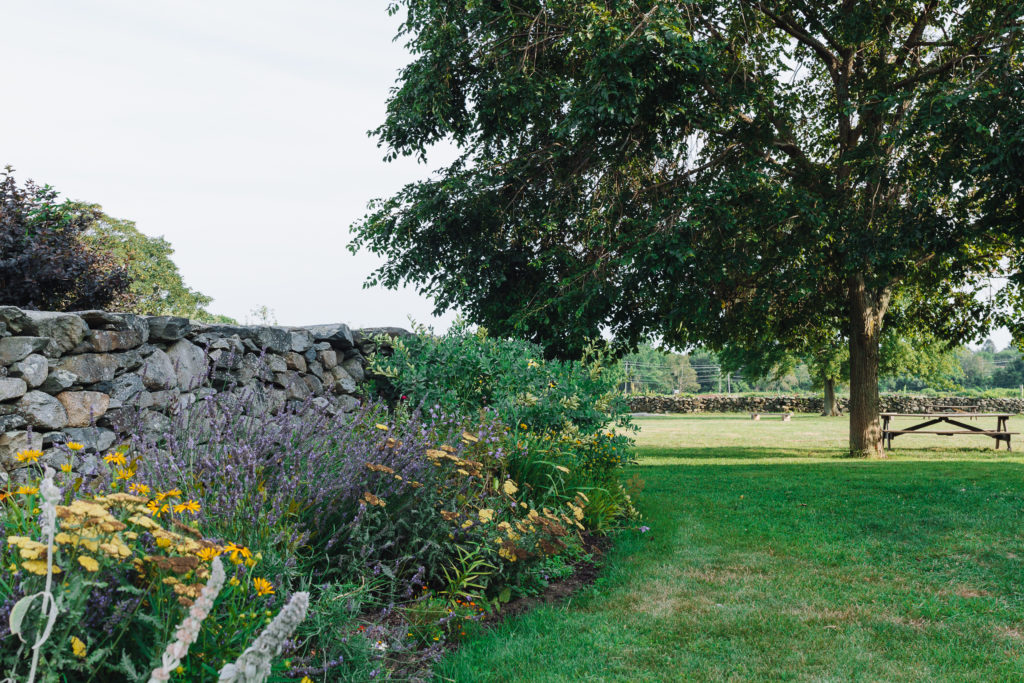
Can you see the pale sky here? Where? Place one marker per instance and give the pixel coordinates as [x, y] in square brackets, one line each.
[236, 130]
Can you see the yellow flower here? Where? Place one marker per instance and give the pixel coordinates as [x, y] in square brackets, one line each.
[486, 515]
[207, 554]
[78, 647]
[234, 581]
[523, 426]
[237, 550]
[124, 474]
[381, 427]
[306, 679]
[65, 468]
[509, 487]
[38, 567]
[173, 493]
[191, 506]
[140, 489]
[26, 490]
[30, 455]
[262, 586]
[179, 670]
[115, 458]
[74, 446]
[89, 563]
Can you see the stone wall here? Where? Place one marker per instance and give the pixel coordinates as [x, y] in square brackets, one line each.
[895, 403]
[71, 376]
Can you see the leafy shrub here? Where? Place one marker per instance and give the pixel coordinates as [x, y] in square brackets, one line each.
[465, 371]
[43, 262]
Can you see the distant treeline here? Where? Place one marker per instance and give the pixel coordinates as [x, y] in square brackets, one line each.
[652, 370]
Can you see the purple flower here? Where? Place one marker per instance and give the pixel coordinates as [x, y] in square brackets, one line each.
[644, 529]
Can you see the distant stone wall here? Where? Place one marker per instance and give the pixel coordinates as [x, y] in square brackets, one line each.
[71, 376]
[896, 403]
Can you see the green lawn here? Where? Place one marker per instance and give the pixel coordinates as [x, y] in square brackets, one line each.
[771, 557]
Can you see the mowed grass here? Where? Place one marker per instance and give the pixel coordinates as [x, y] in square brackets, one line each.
[773, 557]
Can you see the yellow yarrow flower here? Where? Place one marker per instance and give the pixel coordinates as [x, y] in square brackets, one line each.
[78, 647]
[88, 563]
[381, 427]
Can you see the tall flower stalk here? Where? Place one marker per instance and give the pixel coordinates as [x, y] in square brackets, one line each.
[188, 631]
[253, 666]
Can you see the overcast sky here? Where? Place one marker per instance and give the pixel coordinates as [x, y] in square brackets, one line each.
[236, 130]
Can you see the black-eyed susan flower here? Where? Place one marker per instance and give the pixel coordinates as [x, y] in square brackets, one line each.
[115, 458]
[188, 506]
[29, 455]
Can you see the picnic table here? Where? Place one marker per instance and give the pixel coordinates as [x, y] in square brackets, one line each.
[1000, 433]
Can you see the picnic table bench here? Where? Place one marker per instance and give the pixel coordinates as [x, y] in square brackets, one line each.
[1000, 433]
[785, 416]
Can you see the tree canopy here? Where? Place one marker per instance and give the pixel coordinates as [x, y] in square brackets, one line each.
[157, 287]
[44, 264]
[709, 172]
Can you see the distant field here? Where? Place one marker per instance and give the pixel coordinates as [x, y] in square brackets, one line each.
[772, 557]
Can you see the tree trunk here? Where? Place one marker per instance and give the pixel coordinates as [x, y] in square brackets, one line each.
[867, 309]
[830, 407]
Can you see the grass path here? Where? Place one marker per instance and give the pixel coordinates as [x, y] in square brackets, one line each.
[770, 557]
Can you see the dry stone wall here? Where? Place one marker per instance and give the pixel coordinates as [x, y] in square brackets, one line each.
[896, 403]
[74, 376]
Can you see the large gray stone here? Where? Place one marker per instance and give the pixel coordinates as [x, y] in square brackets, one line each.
[42, 411]
[338, 334]
[328, 358]
[158, 372]
[13, 349]
[33, 368]
[65, 329]
[354, 367]
[295, 361]
[115, 331]
[11, 421]
[276, 363]
[276, 339]
[57, 381]
[12, 387]
[189, 364]
[93, 439]
[168, 328]
[91, 368]
[12, 443]
[343, 382]
[14, 319]
[302, 339]
[83, 407]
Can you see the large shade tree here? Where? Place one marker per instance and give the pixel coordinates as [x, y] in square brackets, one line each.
[708, 172]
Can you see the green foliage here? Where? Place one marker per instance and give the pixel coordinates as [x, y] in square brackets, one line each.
[718, 173]
[157, 287]
[466, 370]
[43, 263]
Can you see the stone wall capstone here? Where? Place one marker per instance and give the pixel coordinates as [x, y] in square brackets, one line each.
[71, 376]
[894, 403]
